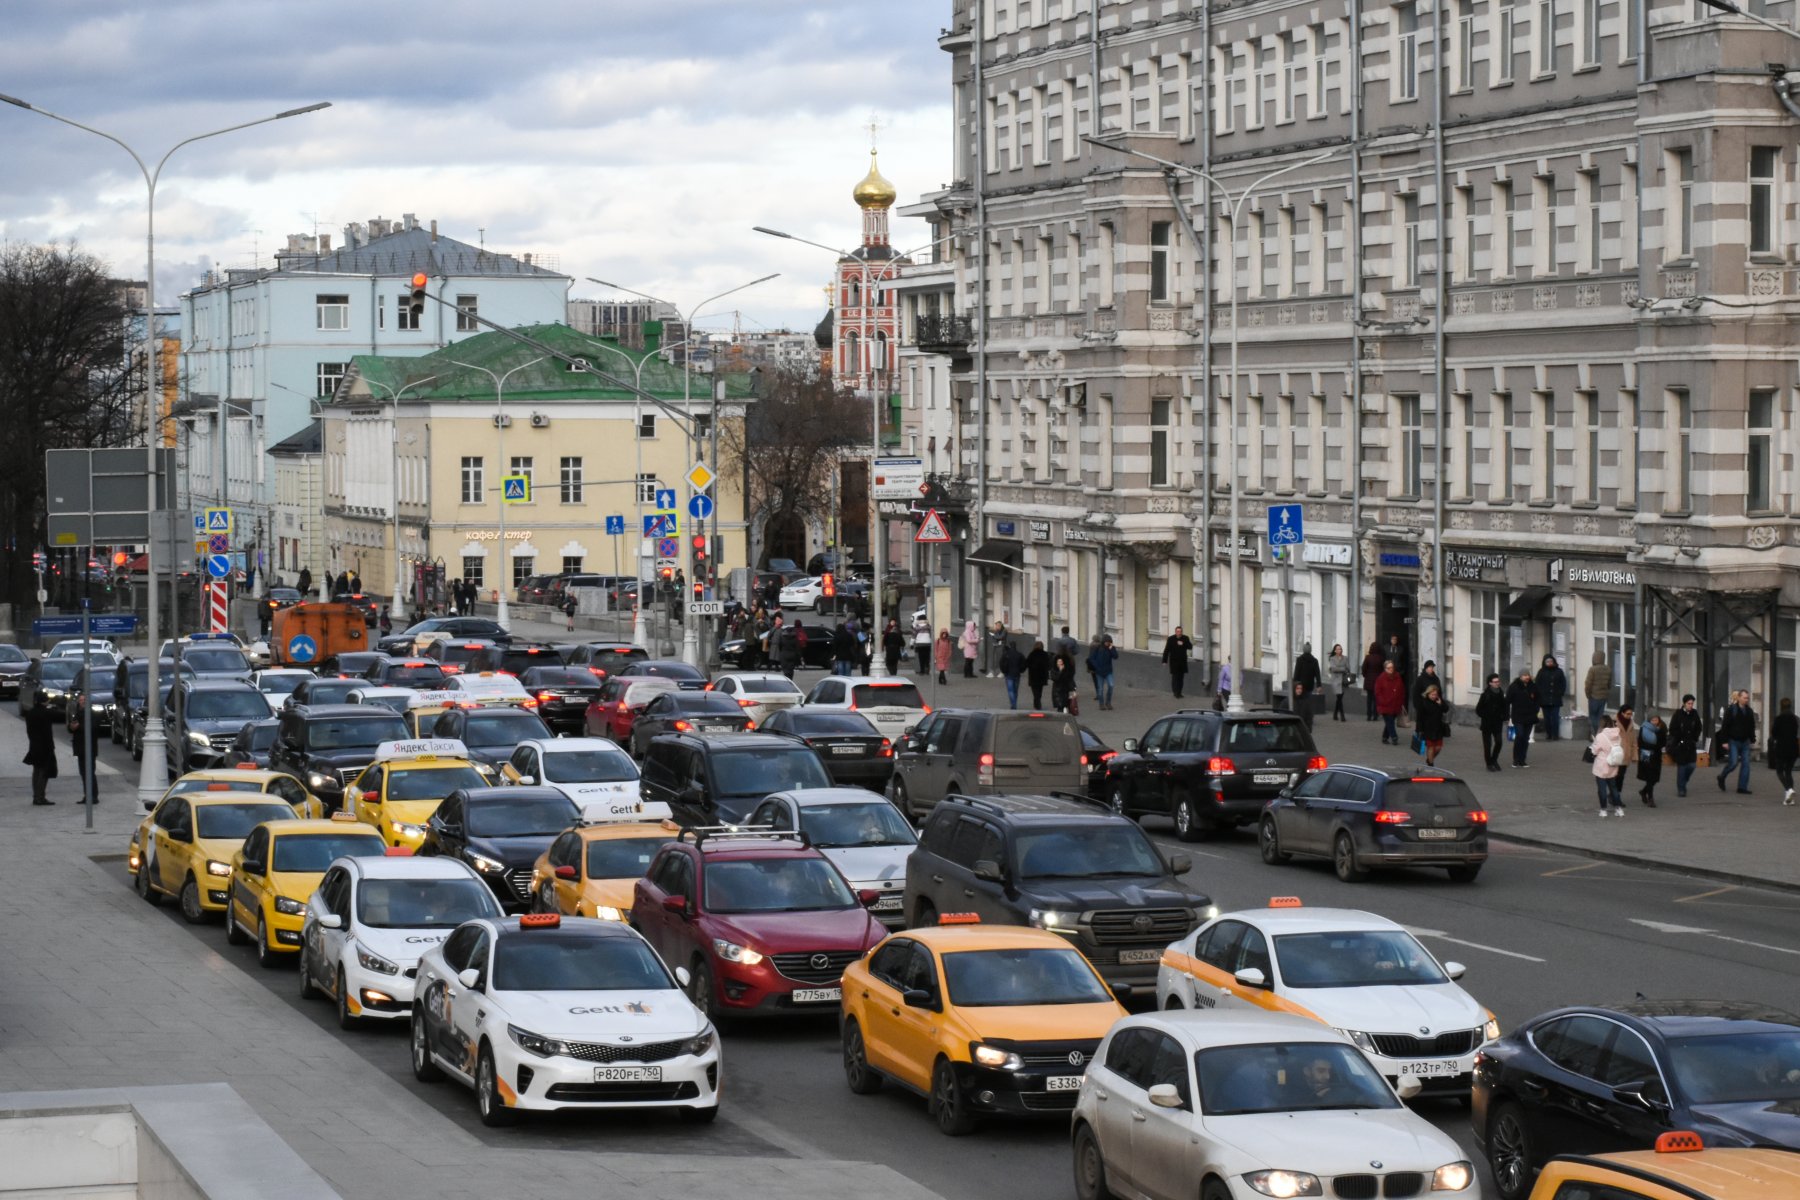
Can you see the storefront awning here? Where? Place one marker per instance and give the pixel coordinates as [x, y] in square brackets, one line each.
[1003, 552]
[1524, 606]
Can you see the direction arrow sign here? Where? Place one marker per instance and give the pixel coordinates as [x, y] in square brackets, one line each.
[700, 477]
[218, 565]
[700, 506]
[932, 529]
[515, 489]
[665, 499]
[218, 520]
[302, 648]
[1287, 525]
[615, 525]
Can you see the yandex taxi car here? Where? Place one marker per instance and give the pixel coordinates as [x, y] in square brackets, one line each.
[1361, 974]
[544, 1012]
[978, 1018]
[1681, 1167]
[592, 871]
[398, 792]
[277, 869]
[184, 847]
[424, 708]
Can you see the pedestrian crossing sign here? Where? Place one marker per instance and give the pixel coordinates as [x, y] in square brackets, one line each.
[218, 520]
[516, 489]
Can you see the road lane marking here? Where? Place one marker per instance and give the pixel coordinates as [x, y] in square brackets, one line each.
[1586, 866]
[1666, 927]
[1455, 941]
[1730, 887]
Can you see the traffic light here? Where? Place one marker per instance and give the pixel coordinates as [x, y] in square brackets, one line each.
[699, 557]
[667, 574]
[38, 561]
[828, 586]
[120, 558]
[415, 303]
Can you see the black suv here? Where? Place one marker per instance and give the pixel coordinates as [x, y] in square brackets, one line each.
[419, 673]
[490, 732]
[1062, 863]
[203, 720]
[322, 745]
[1208, 770]
[718, 780]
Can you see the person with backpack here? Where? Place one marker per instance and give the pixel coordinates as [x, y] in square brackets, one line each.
[1100, 663]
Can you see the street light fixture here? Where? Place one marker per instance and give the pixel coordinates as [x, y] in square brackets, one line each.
[500, 610]
[149, 786]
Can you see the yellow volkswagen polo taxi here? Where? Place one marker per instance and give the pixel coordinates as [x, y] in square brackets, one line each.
[592, 870]
[998, 1019]
[398, 792]
[275, 872]
[184, 847]
[1679, 1168]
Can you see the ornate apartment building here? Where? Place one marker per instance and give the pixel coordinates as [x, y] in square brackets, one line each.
[1515, 292]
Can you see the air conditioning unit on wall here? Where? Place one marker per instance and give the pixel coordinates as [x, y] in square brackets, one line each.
[502, 421]
[540, 421]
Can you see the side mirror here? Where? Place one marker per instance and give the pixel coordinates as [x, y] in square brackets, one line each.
[251, 866]
[683, 978]
[527, 780]
[989, 870]
[1180, 864]
[868, 896]
[468, 977]
[330, 920]
[1455, 970]
[1252, 977]
[1408, 1087]
[1164, 1095]
[1129, 745]
[675, 904]
[917, 998]
[567, 872]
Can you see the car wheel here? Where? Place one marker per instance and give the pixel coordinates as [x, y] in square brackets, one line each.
[1214, 1190]
[494, 1111]
[1090, 1166]
[344, 1019]
[1343, 860]
[700, 988]
[925, 915]
[1270, 842]
[1511, 1156]
[863, 1079]
[424, 1070]
[948, 1104]
[1189, 827]
[308, 989]
[191, 912]
[265, 953]
[145, 888]
[112, 733]
[1463, 874]
[901, 800]
[1117, 801]
[698, 1116]
[234, 933]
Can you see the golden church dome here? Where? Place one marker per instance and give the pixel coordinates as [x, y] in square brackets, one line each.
[874, 191]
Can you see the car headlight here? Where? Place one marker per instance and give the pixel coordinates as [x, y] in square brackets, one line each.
[217, 868]
[995, 1056]
[197, 738]
[1491, 1030]
[486, 865]
[1054, 919]
[407, 828]
[374, 962]
[701, 1042]
[608, 913]
[320, 781]
[1283, 1184]
[732, 952]
[543, 1047]
[291, 907]
[1452, 1177]
[1360, 1040]
[1209, 913]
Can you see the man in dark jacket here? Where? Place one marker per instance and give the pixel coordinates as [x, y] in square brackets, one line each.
[1175, 653]
[1522, 707]
[1490, 711]
[1037, 672]
[1737, 729]
[1552, 686]
[1307, 677]
[1428, 678]
[1685, 731]
[1012, 665]
[40, 752]
[844, 650]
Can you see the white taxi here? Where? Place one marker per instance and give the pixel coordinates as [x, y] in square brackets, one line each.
[595, 773]
[369, 922]
[491, 687]
[545, 1012]
[1361, 974]
[397, 698]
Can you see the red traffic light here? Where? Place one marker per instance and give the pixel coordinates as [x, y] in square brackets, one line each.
[699, 543]
[416, 302]
[667, 573]
[828, 585]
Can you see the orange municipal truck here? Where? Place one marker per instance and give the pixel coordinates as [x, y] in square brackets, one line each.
[307, 634]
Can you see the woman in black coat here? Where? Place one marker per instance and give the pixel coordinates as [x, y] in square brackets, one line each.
[40, 752]
[1490, 711]
[1685, 731]
[1653, 737]
[1784, 748]
[1037, 672]
[1433, 717]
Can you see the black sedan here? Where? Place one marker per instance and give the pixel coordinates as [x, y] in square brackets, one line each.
[460, 627]
[853, 750]
[563, 695]
[688, 679]
[14, 662]
[816, 652]
[687, 712]
[1362, 818]
[1597, 1080]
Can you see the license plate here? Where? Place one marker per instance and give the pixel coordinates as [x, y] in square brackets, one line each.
[1063, 1083]
[627, 1074]
[1140, 956]
[818, 995]
[1271, 777]
[1437, 1066]
[1437, 835]
[887, 904]
[846, 749]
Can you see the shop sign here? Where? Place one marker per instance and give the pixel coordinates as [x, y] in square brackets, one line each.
[1328, 554]
[1464, 564]
[898, 508]
[1577, 574]
[1399, 559]
[1040, 531]
[1074, 533]
[493, 535]
[1006, 529]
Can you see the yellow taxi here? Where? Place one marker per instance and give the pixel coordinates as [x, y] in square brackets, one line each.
[398, 792]
[592, 870]
[184, 847]
[275, 872]
[1680, 1168]
[981, 1020]
[424, 708]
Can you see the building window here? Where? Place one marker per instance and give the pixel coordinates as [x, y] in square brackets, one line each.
[404, 316]
[1505, 33]
[571, 564]
[1406, 52]
[466, 309]
[1544, 49]
[1546, 449]
[1159, 261]
[1500, 205]
[381, 312]
[1465, 412]
[1758, 493]
[1462, 252]
[521, 466]
[333, 312]
[471, 569]
[473, 488]
[1407, 271]
[571, 481]
[1615, 636]
[1258, 238]
[646, 489]
[1465, 45]
[1589, 233]
[1587, 410]
[1503, 454]
[1485, 635]
[1679, 167]
[1315, 74]
[1764, 162]
[1316, 232]
[1628, 39]
[1590, 32]
[1159, 442]
[523, 568]
[1543, 233]
[1680, 472]
[1626, 492]
[703, 427]
[1412, 446]
[330, 375]
[646, 427]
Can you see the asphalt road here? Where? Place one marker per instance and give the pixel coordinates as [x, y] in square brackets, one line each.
[1538, 930]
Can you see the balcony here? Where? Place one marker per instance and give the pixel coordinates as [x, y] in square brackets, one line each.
[944, 335]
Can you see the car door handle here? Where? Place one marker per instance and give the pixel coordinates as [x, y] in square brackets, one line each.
[1101, 1093]
[481, 1014]
[895, 1011]
[1533, 1089]
[1137, 1114]
[937, 879]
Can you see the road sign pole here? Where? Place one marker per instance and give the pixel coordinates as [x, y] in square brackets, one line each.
[87, 713]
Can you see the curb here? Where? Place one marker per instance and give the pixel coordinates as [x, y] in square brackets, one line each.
[1652, 864]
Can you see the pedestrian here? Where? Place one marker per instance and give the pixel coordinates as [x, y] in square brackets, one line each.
[325, 590]
[1371, 671]
[1101, 660]
[782, 649]
[1395, 652]
[865, 645]
[996, 645]
[1390, 700]
[1596, 685]
[1490, 713]
[1432, 721]
[78, 743]
[1553, 688]
[1626, 723]
[1609, 762]
[305, 582]
[1037, 672]
[893, 646]
[971, 647]
[568, 607]
[1337, 673]
[1012, 665]
[1307, 677]
[922, 644]
[1175, 653]
[1685, 731]
[940, 654]
[844, 650]
[1428, 677]
[1522, 707]
[40, 747]
[1737, 729]
[1784, 748]
[1062, 681]
[1652, 736]
[1066, 646]
[1222, 690]
[387, 621]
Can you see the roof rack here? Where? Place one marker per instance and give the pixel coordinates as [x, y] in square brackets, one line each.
[1081, 798]
[703, 834]
[977, 802]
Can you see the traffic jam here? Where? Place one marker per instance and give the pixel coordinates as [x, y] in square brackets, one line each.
[571, 874]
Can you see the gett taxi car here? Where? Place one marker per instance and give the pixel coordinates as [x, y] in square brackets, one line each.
[398, 792]
[184, 847]
[591, 871]
[981, 1019]
[277, 869]
[1361, 974]
[1679, 1168]
[593, 772]
[543, 1012]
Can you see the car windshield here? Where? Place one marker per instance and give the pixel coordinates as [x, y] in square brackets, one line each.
[764, 770]
[886, 695]
[355, 733]
[754, 885]
[704, 702]
[332, 691]
[262, 737]
[828, 724]
[235, 821]
[414, 677]
[209, 705]
[1081, 851]
[1042, 740]
[621, 858]
[871, 823]
[614, 660]
[200, 783]
[216, 660]
[1245, 737]
[1288, 1077]
[314, 851]
[1738, 1067]
[428, 625]
[1354, 958]
[520, 816]
[165, 678]
[559, 677]
[767, 685]
[502, 727]
[536, 960]
[1043, 975]
[13, 654]
[516, 659]
[457, 654]
[589, 766]
[279, 685]
[423, 903]
[432, 783]
[60, 670]
[397, 703]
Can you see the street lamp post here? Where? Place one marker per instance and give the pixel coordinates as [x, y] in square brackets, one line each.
[500, 613]
[1232, 213]
[149, 786]
[394, 395]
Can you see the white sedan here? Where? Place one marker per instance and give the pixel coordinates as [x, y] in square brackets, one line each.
[1250, 1106]
[593, 772]
[863, 835]
[544, 1012]
[72, 648]
[803, 593]
[758, 694]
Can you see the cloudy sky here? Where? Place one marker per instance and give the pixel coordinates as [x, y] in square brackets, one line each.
[632, 140]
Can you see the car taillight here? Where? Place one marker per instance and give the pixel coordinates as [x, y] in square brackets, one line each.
[1084, 761]
[546, 697]
[1218, 765]
[1317, 762]
[682, 726]
[926, 707]
[597, 672]
[749, 724]
[528, 702]
[746, 703]
[887, 748]
[1109, 754]
[1478, 817]
[1388, 816]
[985, 770]
[623, 707]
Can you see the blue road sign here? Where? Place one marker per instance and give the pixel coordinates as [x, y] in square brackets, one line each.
[219, 543]
[668, 547]
[56, 626]
[665, 499]
[700, 506]
[660, 525]
[218, 520]
[218, 565]
[200, 524]
[615, 525]
[515, 489]
[112, 626]
[302, 648]
[1287, 525]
